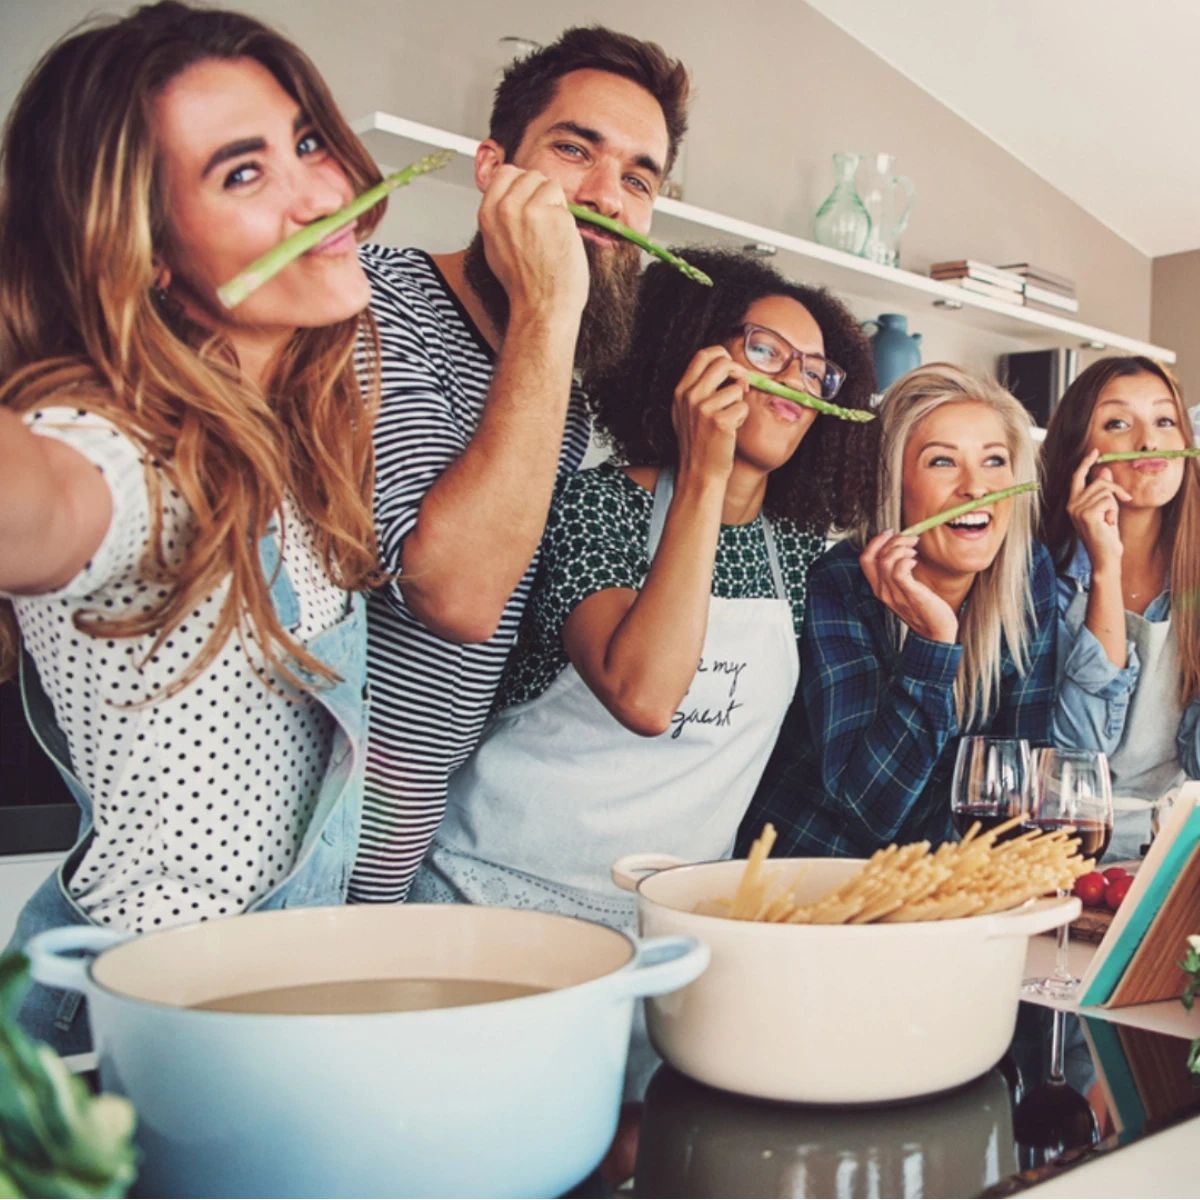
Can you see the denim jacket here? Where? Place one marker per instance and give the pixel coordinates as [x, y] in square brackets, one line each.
[321, 872]
[1095, 696]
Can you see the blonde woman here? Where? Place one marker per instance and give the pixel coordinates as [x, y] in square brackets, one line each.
[1126, 540]
[909, 642]
[184, 492]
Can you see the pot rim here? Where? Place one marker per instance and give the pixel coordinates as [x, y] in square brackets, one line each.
[320, 1019]
[928, 929]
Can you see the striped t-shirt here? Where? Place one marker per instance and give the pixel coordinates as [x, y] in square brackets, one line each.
[429, 697]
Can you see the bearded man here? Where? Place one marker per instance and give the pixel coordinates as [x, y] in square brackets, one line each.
[485, 356]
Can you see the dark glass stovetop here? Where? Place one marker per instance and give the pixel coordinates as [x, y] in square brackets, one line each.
[1006, 1131]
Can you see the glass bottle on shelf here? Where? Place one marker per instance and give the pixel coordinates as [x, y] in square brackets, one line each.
[888, 199]
[842, 222]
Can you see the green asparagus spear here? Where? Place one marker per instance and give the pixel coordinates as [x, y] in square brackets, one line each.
[960, 510]
[258, 272]
[763, 384]
[1130, 455]
[639, 239]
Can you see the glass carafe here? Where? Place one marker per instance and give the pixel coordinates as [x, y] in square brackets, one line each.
[842, 222]
[888, 199]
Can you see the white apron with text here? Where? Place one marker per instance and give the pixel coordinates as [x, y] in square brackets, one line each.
[558, 789]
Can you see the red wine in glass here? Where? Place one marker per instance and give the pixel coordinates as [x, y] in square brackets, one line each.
[988, 819]
[1093, 836]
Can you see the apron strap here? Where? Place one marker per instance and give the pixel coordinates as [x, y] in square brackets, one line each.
[664, 489]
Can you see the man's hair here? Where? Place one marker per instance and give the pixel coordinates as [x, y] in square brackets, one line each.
[530, 84]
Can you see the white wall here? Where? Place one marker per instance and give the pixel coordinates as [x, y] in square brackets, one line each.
[778, 88]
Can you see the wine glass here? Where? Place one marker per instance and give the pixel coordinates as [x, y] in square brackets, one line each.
[1071, 788]
[1053, 1117]
[992, 782]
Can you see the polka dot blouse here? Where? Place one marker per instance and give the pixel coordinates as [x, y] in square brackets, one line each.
[596, 538]
[200, 800]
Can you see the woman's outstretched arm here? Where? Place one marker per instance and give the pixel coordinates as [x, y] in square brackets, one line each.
[55, 508]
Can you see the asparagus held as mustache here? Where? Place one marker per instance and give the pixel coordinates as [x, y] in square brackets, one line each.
[961, 510]
[1131, 455]
[270, 264]
[639, 239]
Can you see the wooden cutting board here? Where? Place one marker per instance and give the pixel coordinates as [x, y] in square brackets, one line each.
[1091, 925]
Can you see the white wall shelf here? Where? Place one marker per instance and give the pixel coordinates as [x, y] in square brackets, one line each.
[395, 141]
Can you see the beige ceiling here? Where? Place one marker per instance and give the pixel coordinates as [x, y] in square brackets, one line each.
[1099, 97]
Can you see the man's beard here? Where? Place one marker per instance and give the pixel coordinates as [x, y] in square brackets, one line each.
[606, 328]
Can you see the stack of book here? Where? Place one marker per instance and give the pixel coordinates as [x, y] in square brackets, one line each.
[1044, 290]
[982, 279]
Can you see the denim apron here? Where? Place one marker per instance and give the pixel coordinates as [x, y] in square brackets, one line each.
[321, 871]
[558, 789]
[1145, 763]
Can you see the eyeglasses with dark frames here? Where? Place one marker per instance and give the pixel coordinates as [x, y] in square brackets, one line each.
[772, 354]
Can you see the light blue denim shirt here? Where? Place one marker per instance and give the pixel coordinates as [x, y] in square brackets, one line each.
[1094, 694]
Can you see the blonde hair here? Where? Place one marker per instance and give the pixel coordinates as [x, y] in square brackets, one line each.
[81, 222]
[999, 607]
[1066, 443]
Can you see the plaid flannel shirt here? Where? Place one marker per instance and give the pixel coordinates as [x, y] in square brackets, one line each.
[867, 749]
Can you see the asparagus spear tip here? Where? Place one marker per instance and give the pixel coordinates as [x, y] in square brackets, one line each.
[639, 239]
[763, 384]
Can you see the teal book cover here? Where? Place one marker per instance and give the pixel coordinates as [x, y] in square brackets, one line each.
[1130, 937]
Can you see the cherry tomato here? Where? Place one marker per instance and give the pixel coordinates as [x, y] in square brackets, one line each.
[1112, 874]
[1090, 888]
[1116, 890]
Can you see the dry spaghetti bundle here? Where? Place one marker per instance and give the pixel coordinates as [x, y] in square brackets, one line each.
[907, 883]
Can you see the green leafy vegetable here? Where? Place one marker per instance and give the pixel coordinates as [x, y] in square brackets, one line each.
[1130, 455]
[56, 1139]
[639, 239]
[1191, 966]
[763, 384]
[262, 269]
[960, 510]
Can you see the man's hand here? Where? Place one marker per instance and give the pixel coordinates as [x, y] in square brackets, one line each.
[532, 243]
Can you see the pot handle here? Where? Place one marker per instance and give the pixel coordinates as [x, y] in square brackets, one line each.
[1043, 916]
[662, 964]
[47, 953]
[629, 871]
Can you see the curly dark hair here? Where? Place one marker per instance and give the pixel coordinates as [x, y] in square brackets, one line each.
[832, 477]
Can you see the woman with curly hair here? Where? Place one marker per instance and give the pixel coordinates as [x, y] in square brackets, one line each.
[658, 654]
[911, 641]
[185, 491]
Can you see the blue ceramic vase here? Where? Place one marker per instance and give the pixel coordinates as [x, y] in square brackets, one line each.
[894, 349]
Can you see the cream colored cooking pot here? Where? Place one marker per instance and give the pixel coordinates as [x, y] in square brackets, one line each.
[832, 1014]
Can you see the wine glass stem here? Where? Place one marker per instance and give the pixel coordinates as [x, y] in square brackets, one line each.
[1057, 1069]
[1062, 961]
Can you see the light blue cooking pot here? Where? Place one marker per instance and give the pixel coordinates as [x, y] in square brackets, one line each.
[512, 1098]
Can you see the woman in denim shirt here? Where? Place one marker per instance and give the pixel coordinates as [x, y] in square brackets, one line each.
[909, 642]
[185, 519]
[1126, 540]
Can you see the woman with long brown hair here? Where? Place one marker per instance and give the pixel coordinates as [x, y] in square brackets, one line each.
[184, 491]
[1125, 538]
